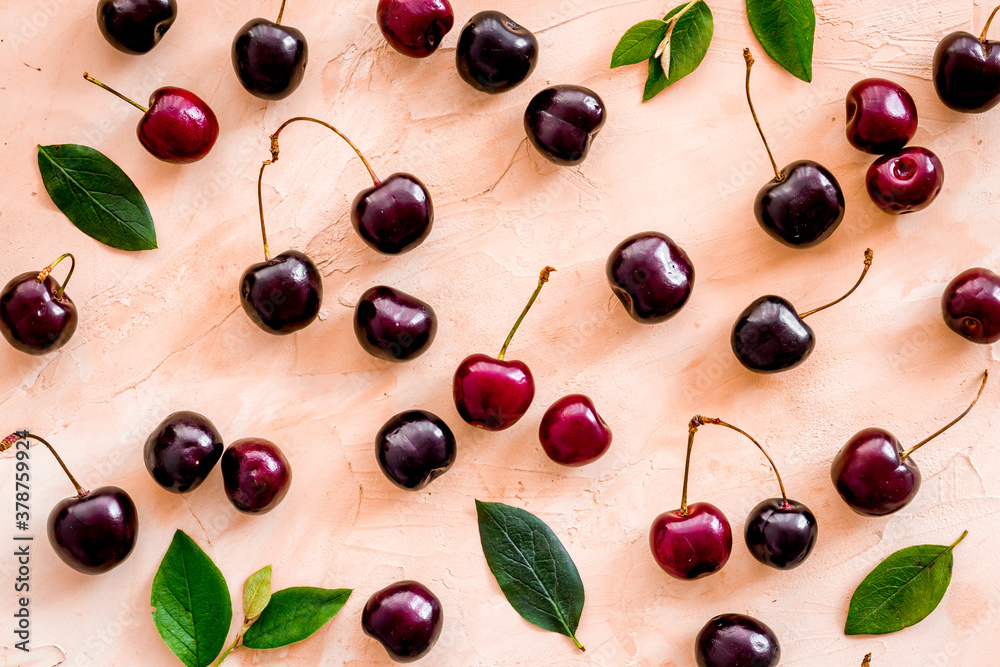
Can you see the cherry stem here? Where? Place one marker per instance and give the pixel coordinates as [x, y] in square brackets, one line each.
[114, 92]
[48, 269]
[281, 12]
[260, 206]
[9, 441]
[908, 452]
[778, 176]
[692, 429]
[718, 422]
[869, 256]
[867, 661]
[986, 28]
[542, 279]
[274, 143]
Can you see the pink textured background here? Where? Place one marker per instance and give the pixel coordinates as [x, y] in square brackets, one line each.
[163, 330]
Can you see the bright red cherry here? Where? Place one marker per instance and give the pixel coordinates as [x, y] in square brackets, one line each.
[572, 433]
[971, 306]
[493, 393]
[36, 314]
[881, 116]
[415, 27]
[906, 181]
[177, 127]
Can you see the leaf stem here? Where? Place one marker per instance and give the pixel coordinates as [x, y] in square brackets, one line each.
[281, 12]
[718, 422]
[778, 176]
[6, 443]
[542, 279]
[577, 642]
[869, 256]
[44, 273]
[114, 92]
[908, 452]
[238, 642]
[989, 21]
[959, 540]
[274, 142]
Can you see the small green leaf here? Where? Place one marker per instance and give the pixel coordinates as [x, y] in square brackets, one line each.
[685, 44]
[532, 567]
[294, 614]
[192, 606]
[902, 590]
[786, 29]
[639, 43]
[257, 593]
[97, 196]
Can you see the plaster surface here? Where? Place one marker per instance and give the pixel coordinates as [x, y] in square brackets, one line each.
[163, 330]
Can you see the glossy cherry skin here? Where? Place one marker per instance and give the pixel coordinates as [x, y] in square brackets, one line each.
[414, 448]
[32, 319]
[967, 73]
[181, 452]
[495, 54]
[95, 532]
[572, 433]
[692, 546]
[770, 337]
[804, 208]
[492, 394]
[871, 476]
[406, 618]
[651, 275]
[269, 59]
[179, 127]
[906, 181]
[282, 295]
[562, 122]
[971, 306]
[395, 216]
[256, 475]
[135, 26]
[392, 325]
[780, 534]
[736, 640]
[881, 116]
[415, 27]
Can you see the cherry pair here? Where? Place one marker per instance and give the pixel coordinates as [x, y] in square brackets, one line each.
[182, 451]
[697, 540]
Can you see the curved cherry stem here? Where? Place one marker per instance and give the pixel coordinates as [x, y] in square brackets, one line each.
[281, 12]
[986, 28]
[542, 279]
[867, 662]
[260, 206]
[274, 142]
[869, 256]
[778, 176]
[908, 452]
[44, 273]
[114, 92]
[700, 421]
[9, 441]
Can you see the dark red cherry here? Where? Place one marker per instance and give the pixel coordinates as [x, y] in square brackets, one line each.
[394, 216]
[181, 452]
[871, 475]
[256, 475]
[415, 27]
[881, 116]
[494, 53]
[562, 122]
[971, 306]
[736, 640]
[906, 181]
[283, 294]
[269, 58]
[967, 71]
[406, 618]
[393, 325]
[135, 26]
[803, 208]
[691, 544]
[414, 448]
[572, 433]
[651, 275]
[780, 533]
[36, 315]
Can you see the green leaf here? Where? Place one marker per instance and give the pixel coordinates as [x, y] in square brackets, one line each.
[902, 590]
[532, 567]
[257, 593]
[97, 196]
[683, 48]
[294, 614]
[786, 29]
[639, 43]
[192, 606]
